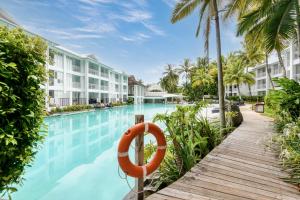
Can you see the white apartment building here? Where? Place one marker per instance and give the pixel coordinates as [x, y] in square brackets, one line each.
[79, 79]
[136, 90]
[262, 82]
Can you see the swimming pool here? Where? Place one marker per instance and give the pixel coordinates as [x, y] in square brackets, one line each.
[78, 160]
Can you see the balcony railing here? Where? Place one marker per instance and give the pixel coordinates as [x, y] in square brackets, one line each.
[259, 75]
[104, 88]
[104, 75]
[79, 101]
[94, 72]
[261, 86]
[57, 102]
[76, 68]
[76, 84]
[93, 86]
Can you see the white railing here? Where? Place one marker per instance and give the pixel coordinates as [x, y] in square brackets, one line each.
[93, 86]
[76, 84]
[104, 75]
[155, 94]
[93, 71]
[104, 88]
[261, 86]
[76, 68]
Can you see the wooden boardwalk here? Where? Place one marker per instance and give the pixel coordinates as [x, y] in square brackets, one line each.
[239, 168]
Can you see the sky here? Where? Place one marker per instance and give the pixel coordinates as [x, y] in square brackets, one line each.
[134, 36]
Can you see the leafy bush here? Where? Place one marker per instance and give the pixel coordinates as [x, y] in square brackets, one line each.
[190, 137]
[289, 143]
[130, 100]
[286, 99]
[22, 72]
[70, 108]
[246, 98]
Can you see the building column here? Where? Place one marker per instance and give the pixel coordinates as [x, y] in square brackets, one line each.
[71, 98]
[86, 86]
[47, 83]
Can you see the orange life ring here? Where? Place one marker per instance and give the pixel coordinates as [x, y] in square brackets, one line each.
[141, 171]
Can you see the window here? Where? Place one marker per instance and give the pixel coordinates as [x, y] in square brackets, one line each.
[261, 84]
[261, 72]
[51, 93]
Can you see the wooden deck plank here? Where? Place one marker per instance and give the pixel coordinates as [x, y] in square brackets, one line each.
[242, 167]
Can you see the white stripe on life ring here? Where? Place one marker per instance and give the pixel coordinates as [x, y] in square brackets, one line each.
[146, 127]
[144, 171]
[122, 154]
[161, 147]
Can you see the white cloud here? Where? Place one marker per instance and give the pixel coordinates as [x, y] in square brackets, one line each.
[139, 37]
[153, 28]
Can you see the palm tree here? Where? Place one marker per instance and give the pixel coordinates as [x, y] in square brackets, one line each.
[201, 78]
[235, 74]
[185, 69]
[170, 80]
[278, 21]
[208, 10]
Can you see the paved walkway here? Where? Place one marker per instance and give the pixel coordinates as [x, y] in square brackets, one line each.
[240, 168]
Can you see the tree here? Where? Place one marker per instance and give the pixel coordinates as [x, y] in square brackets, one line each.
[276, 20]
[170, 80]
[22, 103]
[235, 73]
[209, 10]
[185, 69]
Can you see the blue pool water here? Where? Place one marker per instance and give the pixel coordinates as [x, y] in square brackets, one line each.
[78, 160]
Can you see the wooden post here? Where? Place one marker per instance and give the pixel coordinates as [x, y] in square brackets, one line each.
[139, 158]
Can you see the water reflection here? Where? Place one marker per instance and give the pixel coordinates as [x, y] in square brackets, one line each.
[78, 158]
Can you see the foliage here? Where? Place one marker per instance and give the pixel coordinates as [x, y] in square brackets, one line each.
[287, 98]
[70, 108]
[236, 74]
[170, 80]
[22, 73]
[289, 142]
[246, 98]
[130, 100]
[190, 137]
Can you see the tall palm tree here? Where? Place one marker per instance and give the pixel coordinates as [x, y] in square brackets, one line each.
[208, 11]
[235, 74]
[170, 80]
[251, 56]
[185, 69]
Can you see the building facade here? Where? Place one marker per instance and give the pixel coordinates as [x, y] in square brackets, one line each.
[136, 90]
[79, 79]
[262, 81]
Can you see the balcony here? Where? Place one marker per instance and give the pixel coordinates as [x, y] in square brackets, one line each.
[104, 75]
[76, 68]
[261, 86]
[93, 72]
[297, 77]
[104, 88]
[76, 84]
[93, 86]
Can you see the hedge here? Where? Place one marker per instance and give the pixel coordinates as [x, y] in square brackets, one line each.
[22, 73]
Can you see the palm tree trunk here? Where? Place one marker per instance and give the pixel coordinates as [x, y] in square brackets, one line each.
[239, 91]
[220, 69]
[268, 71]
[281, 63]
[249, 86]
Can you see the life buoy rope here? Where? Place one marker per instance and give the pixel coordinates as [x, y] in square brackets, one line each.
[141, 171]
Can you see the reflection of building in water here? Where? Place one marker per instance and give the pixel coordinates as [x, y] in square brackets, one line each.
[75, 140]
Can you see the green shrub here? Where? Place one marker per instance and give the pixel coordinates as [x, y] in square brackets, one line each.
[246, 98]
[70, 108]
[22, 72]
[130, 100]
[190, 137]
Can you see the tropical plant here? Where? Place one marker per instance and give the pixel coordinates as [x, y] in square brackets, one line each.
[22, 103]
[185, 69]
[190, 137]
[287, 98]
[235, 74]
[170, 80]
[276, 21]
[208, 10]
